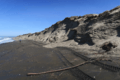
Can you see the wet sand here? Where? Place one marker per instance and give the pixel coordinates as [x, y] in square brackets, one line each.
[17, 59]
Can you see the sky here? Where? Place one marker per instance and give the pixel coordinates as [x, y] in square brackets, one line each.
[19, 17]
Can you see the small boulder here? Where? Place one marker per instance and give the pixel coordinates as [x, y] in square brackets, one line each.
[107, 46]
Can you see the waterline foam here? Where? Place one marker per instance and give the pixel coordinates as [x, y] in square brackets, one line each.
[5, 40]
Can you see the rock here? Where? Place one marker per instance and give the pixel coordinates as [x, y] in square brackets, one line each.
[108, 46]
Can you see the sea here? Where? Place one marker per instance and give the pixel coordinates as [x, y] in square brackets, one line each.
[6, 39]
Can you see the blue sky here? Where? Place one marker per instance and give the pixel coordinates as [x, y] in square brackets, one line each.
[19, 17]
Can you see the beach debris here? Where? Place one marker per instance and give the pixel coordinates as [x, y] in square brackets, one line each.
[52, 71]
[29, 74]
[20, 40]
[107, 46]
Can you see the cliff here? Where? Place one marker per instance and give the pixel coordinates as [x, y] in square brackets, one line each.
[91, 29]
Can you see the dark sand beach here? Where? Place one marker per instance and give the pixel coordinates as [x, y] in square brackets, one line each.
[17, 59]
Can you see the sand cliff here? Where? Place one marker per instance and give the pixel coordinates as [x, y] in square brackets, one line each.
[88, 31]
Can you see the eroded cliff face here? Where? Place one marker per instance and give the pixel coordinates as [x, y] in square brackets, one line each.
[92, 29]
[58, 32]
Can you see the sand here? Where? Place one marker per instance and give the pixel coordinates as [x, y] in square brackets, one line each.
[17, 59]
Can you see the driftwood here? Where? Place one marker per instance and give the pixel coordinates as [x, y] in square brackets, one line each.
[30, 74]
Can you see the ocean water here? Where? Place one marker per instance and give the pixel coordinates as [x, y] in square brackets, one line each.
[6, 39]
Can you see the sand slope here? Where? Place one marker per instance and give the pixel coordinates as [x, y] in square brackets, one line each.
[88, 31]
